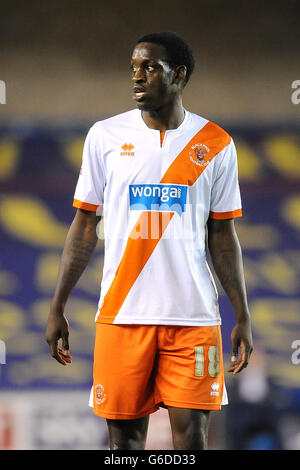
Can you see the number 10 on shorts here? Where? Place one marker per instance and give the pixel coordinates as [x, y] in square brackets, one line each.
[213, 361]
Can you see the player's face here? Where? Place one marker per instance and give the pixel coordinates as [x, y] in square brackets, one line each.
[152, 76]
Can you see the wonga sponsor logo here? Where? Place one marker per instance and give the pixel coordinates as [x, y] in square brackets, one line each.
[158, 197]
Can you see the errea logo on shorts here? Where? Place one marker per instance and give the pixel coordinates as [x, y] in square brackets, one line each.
[100, 396]
[215, 389]
[158, 197]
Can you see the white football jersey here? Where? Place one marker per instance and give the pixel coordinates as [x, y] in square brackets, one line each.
[157, 191]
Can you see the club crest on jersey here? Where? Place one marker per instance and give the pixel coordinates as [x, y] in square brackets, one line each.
[199, 154]
[100, 396]
[158, 197]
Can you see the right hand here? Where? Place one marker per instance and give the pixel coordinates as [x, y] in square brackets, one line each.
[58, 328]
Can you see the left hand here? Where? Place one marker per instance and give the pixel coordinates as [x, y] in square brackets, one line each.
[242, 347]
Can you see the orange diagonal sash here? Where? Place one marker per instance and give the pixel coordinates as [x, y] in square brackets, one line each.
[139, 246]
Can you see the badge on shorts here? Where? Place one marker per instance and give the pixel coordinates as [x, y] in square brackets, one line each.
[100, 396]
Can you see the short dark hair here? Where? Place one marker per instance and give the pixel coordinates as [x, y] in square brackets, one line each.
[177, 49]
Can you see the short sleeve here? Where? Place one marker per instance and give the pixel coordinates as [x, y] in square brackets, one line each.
[91, 181]
[225, 194]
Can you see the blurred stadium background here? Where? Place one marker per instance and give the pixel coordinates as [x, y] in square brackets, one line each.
[65, 65]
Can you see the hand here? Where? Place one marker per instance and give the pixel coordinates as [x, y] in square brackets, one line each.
[58, 328]
[241, 337]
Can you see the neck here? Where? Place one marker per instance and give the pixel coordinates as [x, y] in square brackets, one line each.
[167, 117]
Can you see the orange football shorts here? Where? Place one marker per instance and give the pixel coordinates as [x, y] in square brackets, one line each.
[138, 368]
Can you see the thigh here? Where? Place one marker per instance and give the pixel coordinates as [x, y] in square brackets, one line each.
[190, 367]
[189, 428]
[124, 356]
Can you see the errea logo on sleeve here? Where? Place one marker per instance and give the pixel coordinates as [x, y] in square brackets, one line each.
[158, 197]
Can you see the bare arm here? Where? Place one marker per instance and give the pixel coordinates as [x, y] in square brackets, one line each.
[79, 246]
[226, 256]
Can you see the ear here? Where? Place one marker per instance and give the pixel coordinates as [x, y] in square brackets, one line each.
[180, 74]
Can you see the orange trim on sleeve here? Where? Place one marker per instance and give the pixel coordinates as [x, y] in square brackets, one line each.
[85, 205]
[226, 215]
